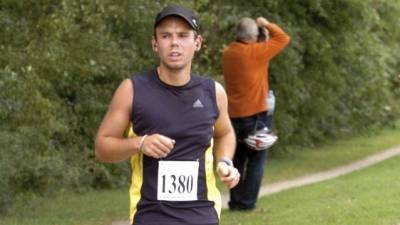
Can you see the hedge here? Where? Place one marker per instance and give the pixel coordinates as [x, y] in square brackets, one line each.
[62, 60]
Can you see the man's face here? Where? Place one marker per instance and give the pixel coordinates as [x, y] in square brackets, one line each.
[175, 42]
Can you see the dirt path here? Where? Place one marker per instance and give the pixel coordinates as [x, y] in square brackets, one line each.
[324, 175]
[315, 177]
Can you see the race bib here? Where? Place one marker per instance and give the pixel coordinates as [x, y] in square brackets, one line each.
[177, 180]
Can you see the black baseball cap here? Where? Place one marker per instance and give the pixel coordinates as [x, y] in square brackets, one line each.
[174, 10]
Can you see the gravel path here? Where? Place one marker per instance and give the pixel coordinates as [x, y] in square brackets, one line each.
[313, 178]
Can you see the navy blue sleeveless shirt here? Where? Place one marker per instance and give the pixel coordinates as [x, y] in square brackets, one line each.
[186, 114]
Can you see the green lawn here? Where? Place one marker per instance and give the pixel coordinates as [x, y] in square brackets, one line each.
[367, 197]
[93, 208]
[296, 163]
[102, 207]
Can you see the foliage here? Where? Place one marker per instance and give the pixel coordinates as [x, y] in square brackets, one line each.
[334, 77]
[61, 61]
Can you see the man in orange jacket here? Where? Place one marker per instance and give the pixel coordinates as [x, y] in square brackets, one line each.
[245, 65]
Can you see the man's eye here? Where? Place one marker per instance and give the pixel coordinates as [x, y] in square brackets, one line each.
[184, 35]
[164, 36]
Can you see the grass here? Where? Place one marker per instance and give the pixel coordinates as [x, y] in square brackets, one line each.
[368, 197]
[103, 207]
[296, 163]
[93, 208]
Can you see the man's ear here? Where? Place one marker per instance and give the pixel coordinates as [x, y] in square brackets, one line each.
[198, 42]
[154, 44]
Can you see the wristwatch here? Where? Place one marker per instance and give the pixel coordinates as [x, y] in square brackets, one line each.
[226, 160]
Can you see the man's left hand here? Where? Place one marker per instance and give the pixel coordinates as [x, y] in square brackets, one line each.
[229, 175]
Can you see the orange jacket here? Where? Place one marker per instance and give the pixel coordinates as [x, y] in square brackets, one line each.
[245, 68]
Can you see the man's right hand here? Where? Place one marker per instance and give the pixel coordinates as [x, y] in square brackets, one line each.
[157, 146]
[261, 21]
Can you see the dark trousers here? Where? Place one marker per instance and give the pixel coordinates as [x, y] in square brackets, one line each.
[250, 163]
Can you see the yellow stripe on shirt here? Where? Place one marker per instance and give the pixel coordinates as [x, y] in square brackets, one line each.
[136, 179]
[213, 193]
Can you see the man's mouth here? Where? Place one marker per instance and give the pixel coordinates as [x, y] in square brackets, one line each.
[175, 54]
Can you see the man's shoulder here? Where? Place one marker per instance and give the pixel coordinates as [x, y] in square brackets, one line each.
[239, 48]
[233, 45]
[141, 75]
[200, 76]
[207, 80]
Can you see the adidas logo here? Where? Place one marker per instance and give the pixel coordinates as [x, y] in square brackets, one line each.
[198, 104]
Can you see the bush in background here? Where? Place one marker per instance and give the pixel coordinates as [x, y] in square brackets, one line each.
[62, 60]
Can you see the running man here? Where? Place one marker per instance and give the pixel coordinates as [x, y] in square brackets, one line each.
[179, 125]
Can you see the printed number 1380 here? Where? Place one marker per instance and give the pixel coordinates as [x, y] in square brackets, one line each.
[177, 180]
[180, 184]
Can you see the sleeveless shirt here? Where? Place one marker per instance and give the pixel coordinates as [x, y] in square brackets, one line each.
[186, 114]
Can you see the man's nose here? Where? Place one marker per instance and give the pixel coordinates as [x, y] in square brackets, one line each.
[175, 40]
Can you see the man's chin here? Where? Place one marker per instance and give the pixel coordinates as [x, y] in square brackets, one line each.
[175, 66]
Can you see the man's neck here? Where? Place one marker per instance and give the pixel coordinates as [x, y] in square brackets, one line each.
[248, 41]
[178, 77]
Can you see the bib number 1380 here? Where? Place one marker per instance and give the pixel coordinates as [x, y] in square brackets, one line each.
[177, 180]
[180, 184]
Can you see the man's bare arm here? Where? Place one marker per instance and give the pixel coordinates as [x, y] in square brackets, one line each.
[110, 143]
[224, 141]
